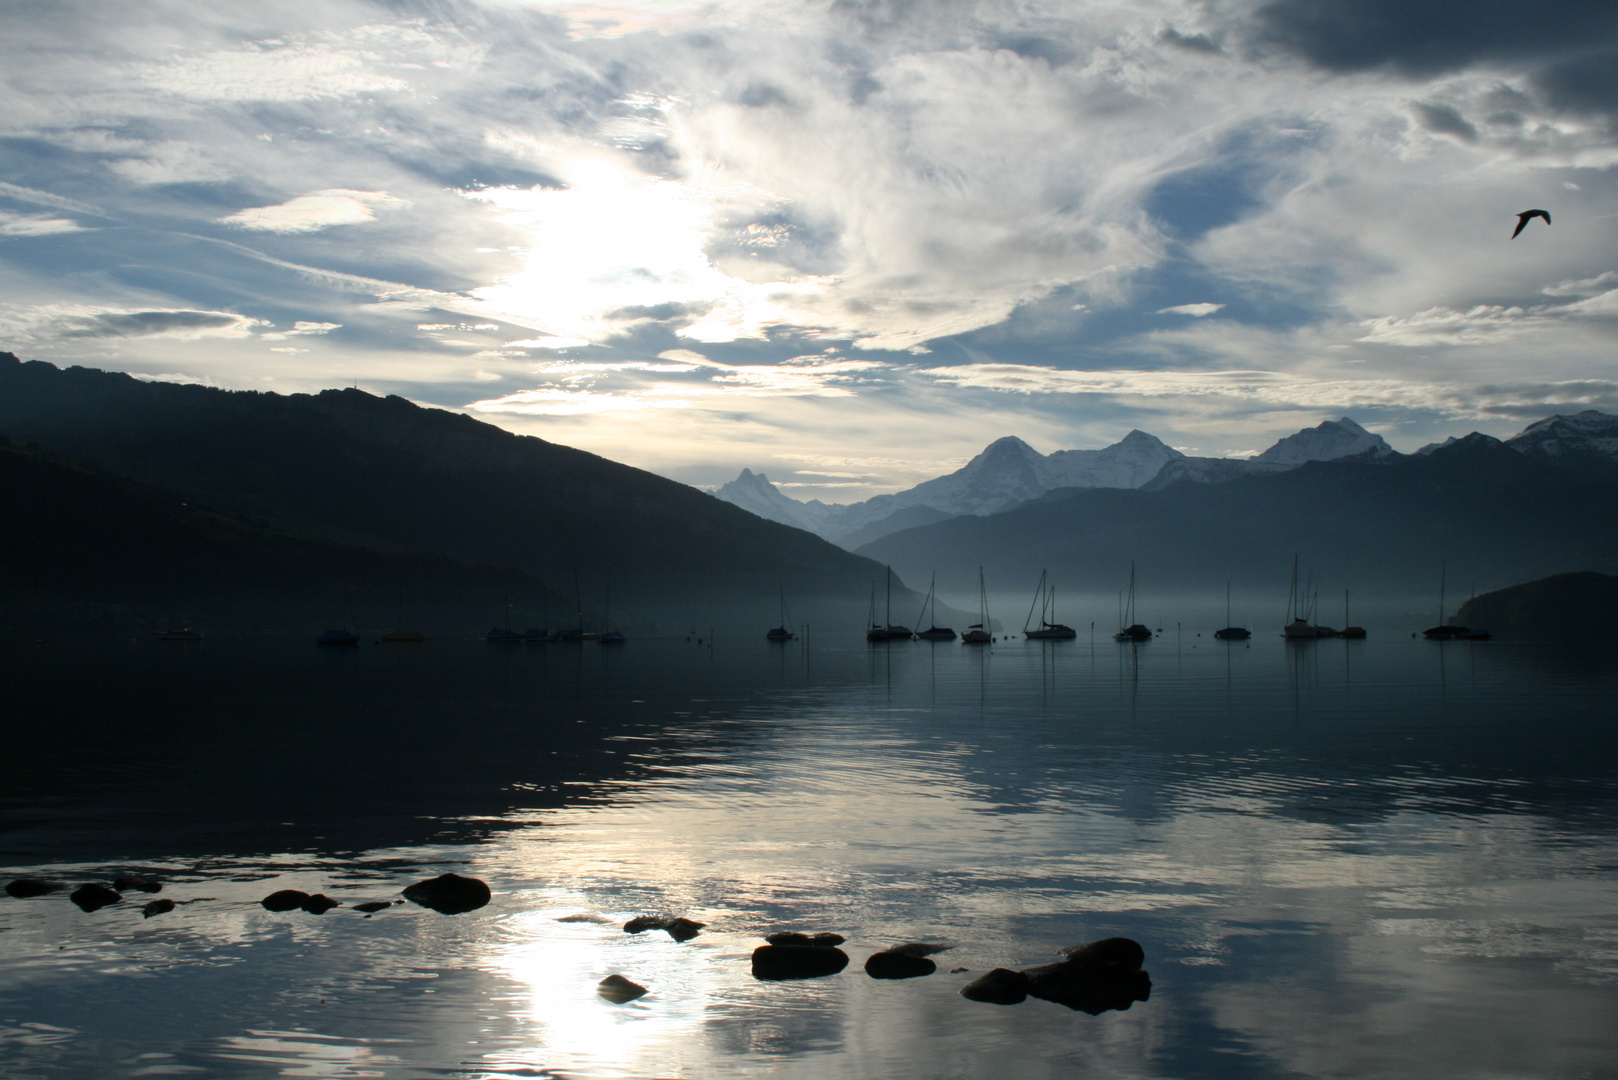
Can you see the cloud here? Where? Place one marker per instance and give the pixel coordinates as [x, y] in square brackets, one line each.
[181, 324]
[288, 72]
[35, 225]
[313, 212]
[301, 329]
[1444, 120]
[1194, 310]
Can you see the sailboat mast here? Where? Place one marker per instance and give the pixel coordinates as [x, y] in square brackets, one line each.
[1443, 568]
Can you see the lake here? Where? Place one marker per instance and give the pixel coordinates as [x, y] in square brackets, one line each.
[1384, 858]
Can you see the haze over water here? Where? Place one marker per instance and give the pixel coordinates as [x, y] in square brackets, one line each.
[1378, 858]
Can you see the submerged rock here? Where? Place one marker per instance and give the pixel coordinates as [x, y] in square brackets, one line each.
[284, 900]
[373, 906]
[780, 962]
[1002, 986]
[680, 929]
[894, 964]
[1095, 978]
[23, 888]
[319, 904]
[157, 907]
[586, 917]
[449, 894]
[815, 941]
[129, 883]
[94, 897]
[617, 989]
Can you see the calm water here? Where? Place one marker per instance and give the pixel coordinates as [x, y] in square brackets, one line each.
[1386, 858]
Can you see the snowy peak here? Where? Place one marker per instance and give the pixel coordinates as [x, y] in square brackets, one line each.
[1328, 441]
[1007, 472]
[754, 493]
[1589, 433]
[1128, 463]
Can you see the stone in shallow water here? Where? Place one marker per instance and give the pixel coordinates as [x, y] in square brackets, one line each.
[23, 888]
[157, 907]
[1095, 978]
[130, 883]
[817, 941]
[449, 894]
[319, 904]
[680, 929]
[780, 962]
[94, 897]
[373, 906]
[617, 989]
[893, 964]
[1002, 986]
[284, 900]
[585, 917]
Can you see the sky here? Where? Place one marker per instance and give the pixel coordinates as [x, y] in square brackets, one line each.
[845, 243]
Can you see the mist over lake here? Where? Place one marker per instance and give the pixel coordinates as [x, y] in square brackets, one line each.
[1416, 839]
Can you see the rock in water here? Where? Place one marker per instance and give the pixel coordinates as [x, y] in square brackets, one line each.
[449, 894]
[780, 962]
[23, 888]
[817, 941]
[284, 900]
[680, 929]
[1002, 986]
[129, 883]
[373, 906]
[1094, 978]
[157, 907]
[894, 964]
[319, 904]
[94, 897]
[617, 989]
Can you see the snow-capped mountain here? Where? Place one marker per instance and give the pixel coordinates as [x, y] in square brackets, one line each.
[754, 493]
[1128, 463]
[1327, 441]
[1585, 442]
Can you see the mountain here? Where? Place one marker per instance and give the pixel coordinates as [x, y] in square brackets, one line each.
[347, 467]
[80, 541]
[1327, 441]
[1382, 526]
[1009, 472]
[1586, 443]
[1565, 608]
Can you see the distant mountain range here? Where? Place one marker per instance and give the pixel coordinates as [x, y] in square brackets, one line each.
[1009, 472]
[1383, 524]
[382, 475]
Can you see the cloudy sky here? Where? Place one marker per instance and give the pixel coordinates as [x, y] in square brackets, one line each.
[848, 242]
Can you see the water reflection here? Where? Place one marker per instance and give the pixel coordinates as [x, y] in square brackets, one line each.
[1418, 843]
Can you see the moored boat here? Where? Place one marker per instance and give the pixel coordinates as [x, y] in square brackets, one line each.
[1130, 630]
[978, 633]
[1048, 628]
[1231, 632]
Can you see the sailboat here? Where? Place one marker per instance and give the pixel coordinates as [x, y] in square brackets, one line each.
[1231, 632]
[399, 634]
[934, 632]
[609, 636]
[504, 634]
[1048, 629]
[1130, 630]
[576, 633]
[781, 633]
[1298, 627]
[886, 631]
[1349, 630]
[1444, 631]
[978, 632]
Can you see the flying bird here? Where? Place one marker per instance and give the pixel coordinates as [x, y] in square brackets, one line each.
[1526, 216]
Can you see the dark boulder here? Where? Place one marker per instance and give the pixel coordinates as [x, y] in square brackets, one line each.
[617, 989]
[129, 883]
[449, 894]
[157, 907]
[373, 906]
[779, 962]
[319, 904]
[1094, 978]
[1002, 986]
[815, 941]
[94, 897]
[284, 900]
[894, 964]
[23, 888]
[680, 929]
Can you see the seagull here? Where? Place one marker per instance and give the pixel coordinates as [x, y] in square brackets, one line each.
[1528, 215]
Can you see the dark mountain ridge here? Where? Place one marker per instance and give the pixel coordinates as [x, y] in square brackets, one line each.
[1382, 525]
[344, 465]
